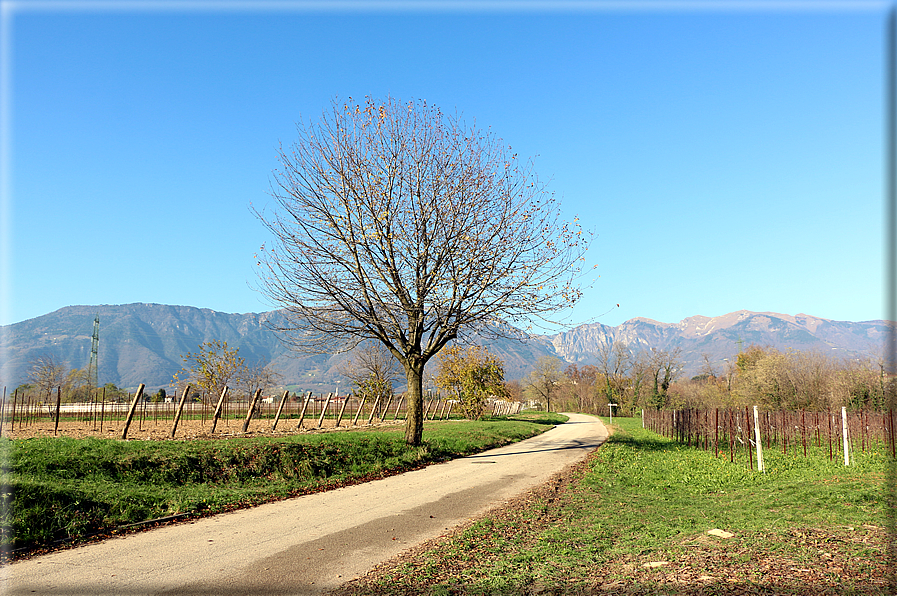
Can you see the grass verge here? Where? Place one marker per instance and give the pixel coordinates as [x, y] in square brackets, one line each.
[634, 519]
[65, 490]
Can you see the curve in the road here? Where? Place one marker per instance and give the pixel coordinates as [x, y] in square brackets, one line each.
[308, 544]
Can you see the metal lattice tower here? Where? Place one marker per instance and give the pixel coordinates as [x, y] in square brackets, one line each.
[94, 348]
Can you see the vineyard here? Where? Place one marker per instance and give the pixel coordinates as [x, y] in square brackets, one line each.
[738, 432]
[23, 416]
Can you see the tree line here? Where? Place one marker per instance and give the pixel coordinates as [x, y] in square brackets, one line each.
[759, 375]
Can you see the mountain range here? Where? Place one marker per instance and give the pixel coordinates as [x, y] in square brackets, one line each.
[144, 343]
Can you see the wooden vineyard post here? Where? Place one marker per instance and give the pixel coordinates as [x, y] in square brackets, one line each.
[177, 414]
[283, 400]
[892, 434]
[831, 418]
[342, 409]
[102, 409]
[358, 412]
[58, 405]
[374, 410]
[218, 407]
[386, 407]
[731, 429]
[12, 423]
[398, 405]
[844, 435]
[449, 413]
[3, 410]
[747, 436]
[252, 403]
[324, 409]
[304, 408]
[137, 396]
[803, 431]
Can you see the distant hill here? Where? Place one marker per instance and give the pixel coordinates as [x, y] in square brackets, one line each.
[724, 336]
[143, 343]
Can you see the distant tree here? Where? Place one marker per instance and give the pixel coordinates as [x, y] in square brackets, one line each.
[472, 375]
[515, 390]
[23, 388]
[112, 392]
[614, 363]
[545, 380]
[76, 385]
[400, 225]
[46, 374]
[259, 376]
[212, 367]
[664, 366]
[373, 373]
[582, 385]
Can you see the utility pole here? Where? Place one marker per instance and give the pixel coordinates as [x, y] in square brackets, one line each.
[94, 349]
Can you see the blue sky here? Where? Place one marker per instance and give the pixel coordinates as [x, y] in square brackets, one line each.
[727, 156]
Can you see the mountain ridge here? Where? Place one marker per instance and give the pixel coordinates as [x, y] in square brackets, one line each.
[144, 342]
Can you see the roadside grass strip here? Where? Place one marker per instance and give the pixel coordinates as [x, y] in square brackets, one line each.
[639, 516]
[64, 490]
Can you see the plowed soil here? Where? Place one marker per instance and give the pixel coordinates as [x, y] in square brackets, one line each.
[186, 429]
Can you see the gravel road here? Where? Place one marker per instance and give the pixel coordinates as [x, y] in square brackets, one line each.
[308, 544]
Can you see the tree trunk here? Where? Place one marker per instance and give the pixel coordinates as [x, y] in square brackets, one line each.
[414, 418]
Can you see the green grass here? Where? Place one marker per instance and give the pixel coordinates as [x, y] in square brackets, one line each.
[64, 489]
[807, 525]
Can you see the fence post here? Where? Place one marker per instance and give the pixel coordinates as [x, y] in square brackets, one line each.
[3, 410]
[177, 414]
[58, 405]
[844, 434]
[324, 410]
[342, 409]
[252, 403]
[283, 400]
[12, 422]
[374, 410]
[217, 413]
[124, 431]
[398, 405]
[386, 407]
[304, 408]
[758, 442]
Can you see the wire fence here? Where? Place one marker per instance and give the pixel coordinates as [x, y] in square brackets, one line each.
[288, 411]
[736, 432]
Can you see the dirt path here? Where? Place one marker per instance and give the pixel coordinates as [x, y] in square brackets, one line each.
[309, 544]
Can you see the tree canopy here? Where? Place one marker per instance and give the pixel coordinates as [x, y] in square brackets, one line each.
[397, 223]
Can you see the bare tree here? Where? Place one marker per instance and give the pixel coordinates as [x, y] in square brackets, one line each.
[582, 385]
[545, 380]
[614, 362]
[46, 374]
[258, 376]
[373, 372]
[402, 225]
[664, 366]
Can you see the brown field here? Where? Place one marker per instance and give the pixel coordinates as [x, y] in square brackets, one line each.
[187, 429]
